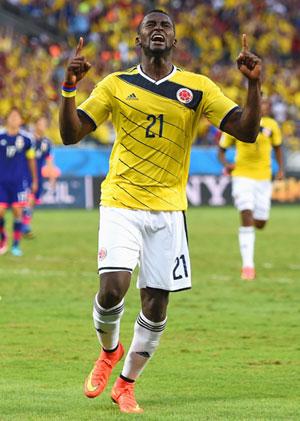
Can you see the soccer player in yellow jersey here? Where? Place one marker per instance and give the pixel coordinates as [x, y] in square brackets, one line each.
[155, 109]
[251, 182]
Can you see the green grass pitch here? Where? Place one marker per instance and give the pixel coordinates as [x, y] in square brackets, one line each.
[231, 350]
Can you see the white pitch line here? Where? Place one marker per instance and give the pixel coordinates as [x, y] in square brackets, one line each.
[268, 265]
[285, 281]
[294, 267]
[27, 271]
[56, 259]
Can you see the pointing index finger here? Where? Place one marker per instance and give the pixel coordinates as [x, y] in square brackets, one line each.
[245, 47]
[79, 47]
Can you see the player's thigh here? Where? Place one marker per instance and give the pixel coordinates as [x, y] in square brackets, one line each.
[119, 240]
[165, 261]
[113, 287]
[243, 193]
[263, 193]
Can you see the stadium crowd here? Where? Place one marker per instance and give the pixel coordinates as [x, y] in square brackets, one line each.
[209, 39]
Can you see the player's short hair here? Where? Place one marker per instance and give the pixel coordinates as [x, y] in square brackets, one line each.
[155, 11]
[14, 108]
[38, 118]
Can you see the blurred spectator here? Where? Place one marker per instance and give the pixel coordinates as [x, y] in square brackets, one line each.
[32, 68]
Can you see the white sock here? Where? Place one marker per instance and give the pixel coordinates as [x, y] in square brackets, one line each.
[145, 341]
[107, 324]
[247, 240]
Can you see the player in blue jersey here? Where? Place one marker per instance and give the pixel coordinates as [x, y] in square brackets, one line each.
[42, 146]
[16, 156]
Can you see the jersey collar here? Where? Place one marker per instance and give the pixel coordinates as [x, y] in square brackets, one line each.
[156, 82]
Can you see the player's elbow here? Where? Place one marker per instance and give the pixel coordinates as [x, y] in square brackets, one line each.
[252, 137]
[68, 138]
[248, 134]
[67, 141]
[247, 137]
[251, 140]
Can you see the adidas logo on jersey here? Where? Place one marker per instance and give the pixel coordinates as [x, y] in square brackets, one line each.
[132, 96]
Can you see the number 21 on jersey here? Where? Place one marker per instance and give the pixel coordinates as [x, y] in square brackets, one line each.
[154, 121]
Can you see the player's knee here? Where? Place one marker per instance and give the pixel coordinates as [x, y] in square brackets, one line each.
[247, 218]
[259, 224]
[107, 316]
[113, 287]
[110, 296]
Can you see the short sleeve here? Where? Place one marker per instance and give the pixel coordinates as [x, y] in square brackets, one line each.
[98, 105]
[217, 107]
[226, 141]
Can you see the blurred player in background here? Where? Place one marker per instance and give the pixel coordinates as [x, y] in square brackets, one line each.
[251, 182]
[155, 110]
[45, 168]
[16, 156]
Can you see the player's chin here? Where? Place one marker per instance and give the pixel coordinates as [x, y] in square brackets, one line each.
[158, 50]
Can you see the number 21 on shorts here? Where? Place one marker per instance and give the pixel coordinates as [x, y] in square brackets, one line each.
[180, 268]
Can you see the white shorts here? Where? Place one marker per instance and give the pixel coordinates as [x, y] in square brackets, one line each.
[254, 195]
[156, 241]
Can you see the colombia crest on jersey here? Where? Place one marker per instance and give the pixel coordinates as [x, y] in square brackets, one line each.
[155, 124]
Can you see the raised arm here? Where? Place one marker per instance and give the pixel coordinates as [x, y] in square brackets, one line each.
[73, 127]
[244, 125]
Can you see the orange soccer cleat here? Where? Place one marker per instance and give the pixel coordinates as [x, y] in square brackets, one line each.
[97, 380]
[122, 394]
[248, 274]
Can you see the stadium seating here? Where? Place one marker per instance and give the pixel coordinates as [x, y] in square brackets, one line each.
[33, 62]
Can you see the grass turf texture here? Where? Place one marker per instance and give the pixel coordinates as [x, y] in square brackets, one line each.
[230, 351]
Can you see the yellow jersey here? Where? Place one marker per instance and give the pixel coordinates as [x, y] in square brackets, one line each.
[155, 124]
[253, 160]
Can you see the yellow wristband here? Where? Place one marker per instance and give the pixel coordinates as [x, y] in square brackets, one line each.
[68, 94]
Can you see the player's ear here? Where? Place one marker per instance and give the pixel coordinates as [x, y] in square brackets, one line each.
[137, 41]
[174, 42]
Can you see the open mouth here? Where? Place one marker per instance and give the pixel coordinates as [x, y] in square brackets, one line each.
[158, 38]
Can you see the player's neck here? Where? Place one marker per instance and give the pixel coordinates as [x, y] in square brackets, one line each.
[156, 67]
[12, 131]
[38, 135]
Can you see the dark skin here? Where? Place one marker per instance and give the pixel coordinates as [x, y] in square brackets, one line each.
[156, 39]
[247, 219]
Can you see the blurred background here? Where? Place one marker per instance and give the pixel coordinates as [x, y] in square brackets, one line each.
[238, 342]
[38, 37]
